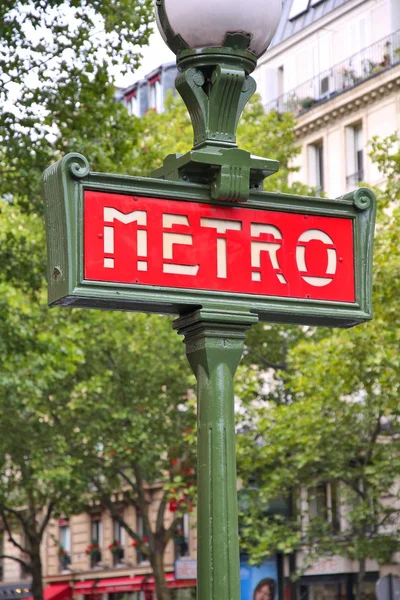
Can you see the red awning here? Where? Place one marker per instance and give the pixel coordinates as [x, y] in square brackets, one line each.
[92, 587]
[60, 591]
[154, 79]
[131, 94]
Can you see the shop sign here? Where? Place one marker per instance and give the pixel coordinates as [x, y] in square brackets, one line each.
[159, 246]
[186, 568]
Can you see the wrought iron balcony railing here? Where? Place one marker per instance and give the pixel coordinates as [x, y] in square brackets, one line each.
[381, 56]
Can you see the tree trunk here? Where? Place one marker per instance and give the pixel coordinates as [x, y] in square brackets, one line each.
[157, 563]
[36, 567]
[361, 579]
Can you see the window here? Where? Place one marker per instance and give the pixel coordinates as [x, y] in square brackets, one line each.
[97, 530]
[133, 106]
[323, 504]
[155, 95]
[315, 157]
[318, 502]
[301, 6]
[118, 543]
[64, 537]
[359, 35]
[281, 80]
[140, 557]
[298, 7]
[181, 538]
[96, 539]
[354, 155]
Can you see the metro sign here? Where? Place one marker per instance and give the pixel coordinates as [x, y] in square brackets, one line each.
[175, 244]
[158, 246]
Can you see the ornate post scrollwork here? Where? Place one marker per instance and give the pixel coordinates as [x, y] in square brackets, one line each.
[216, 85]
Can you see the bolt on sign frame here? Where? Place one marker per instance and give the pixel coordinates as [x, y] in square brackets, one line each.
[168, 246]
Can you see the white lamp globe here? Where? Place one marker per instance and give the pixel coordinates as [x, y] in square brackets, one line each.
[205, 23]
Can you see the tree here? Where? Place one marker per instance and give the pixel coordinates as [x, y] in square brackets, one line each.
[343, 427]
[54, 68]
[55, 63]
[38, 474]
[135, 365]
[270, 135]
[46, 354]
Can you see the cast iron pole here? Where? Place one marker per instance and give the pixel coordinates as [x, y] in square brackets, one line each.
[214, 342]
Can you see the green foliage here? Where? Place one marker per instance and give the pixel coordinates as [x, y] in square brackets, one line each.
[136, 364]
[99, 399]
[269, 135]
[55, 80]
[56, 93]
[340, 424]
[272, 136]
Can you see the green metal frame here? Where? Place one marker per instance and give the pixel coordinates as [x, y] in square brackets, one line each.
[64, 184]
[214, 344]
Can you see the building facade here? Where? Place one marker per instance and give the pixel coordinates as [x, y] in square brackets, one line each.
[94, 555]
[336, 65]
[149, 93]
[89, 556]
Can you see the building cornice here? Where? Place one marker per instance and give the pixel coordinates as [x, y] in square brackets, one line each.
[366, 93]
[307, 31]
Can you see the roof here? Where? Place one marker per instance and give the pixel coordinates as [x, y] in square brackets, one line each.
[139, 82]
[315, 11]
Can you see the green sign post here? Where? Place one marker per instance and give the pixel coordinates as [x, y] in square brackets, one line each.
[202, 240]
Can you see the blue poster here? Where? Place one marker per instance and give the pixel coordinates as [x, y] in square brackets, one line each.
[259, 583]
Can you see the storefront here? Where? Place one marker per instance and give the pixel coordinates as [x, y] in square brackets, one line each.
[13, 591]
[340, 586]
[139, 587]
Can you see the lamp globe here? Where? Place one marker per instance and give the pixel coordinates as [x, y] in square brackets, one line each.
[194, 24]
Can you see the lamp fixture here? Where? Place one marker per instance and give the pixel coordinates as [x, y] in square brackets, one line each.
[217, 44]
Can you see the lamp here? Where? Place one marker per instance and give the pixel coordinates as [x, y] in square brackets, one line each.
[217, 43]
[206, 23]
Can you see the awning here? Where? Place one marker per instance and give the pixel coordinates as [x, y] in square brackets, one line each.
[92, 587]
[60, 591]
[108, 586]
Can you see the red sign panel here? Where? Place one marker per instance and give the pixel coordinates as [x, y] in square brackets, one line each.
[196, 246]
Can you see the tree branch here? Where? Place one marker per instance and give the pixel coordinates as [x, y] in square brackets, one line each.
[374, 436]
[9, 532]
[46, 520]
[117, 517]
[161, 513]
[18, 560]
[171, 529]
[265, 362]
[130, 482]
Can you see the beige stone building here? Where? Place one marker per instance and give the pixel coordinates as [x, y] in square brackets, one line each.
[336, 65]
[70, 570]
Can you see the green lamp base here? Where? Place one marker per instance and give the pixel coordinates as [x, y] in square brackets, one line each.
[215, 85]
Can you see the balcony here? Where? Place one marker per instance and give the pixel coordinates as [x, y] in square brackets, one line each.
[379, 57]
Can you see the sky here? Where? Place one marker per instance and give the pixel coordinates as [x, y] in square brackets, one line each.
[154, 55]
